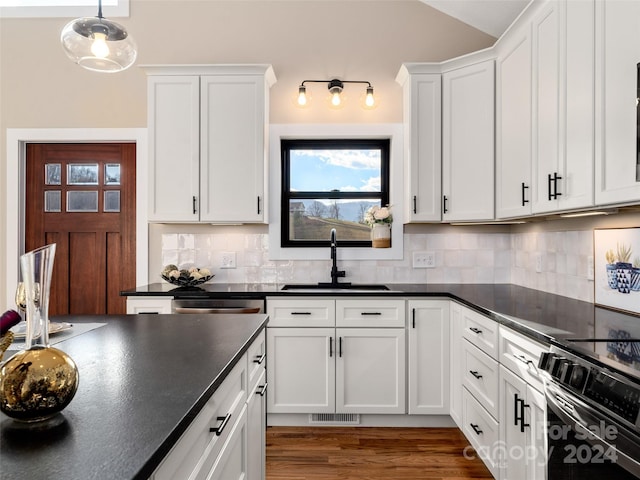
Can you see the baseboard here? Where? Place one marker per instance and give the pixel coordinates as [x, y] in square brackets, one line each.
[304, 419]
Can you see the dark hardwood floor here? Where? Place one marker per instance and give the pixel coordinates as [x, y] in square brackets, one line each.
[366, 453]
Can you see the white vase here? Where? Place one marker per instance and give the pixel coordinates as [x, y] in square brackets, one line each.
[381, 235]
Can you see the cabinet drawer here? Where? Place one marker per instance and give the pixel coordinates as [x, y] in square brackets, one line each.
[256, 360]
[137, 305]
[521, 355]
[307, 312]
[370, 312]
[481, 331]
[481, 377]
[482, 431]
[200, 444]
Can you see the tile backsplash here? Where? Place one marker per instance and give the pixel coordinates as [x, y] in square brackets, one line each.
[561, 258]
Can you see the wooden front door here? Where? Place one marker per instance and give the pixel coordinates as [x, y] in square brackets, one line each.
[82, 197]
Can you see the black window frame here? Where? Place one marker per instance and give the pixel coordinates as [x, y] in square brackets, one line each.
[286, 145]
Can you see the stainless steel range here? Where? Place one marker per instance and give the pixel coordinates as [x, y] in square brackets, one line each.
[592, 387]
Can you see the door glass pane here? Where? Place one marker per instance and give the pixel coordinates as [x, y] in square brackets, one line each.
[52, 200]
[52, 174]
[112, 201]
[314, 219]
[82, 174]
[112, 174]
[82, 201]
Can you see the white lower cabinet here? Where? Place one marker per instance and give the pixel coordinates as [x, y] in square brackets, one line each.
[226, 440]
[522, 429]
[149, 305]
[428, 357]
[482, 431]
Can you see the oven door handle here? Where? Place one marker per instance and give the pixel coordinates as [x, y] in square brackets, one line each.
[202, 310]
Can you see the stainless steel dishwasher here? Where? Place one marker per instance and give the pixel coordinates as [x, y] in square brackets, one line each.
[217, 305]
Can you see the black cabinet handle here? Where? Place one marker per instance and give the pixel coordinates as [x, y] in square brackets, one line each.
[370, 313]
[524, 200]
[476, 428]
[258, 205]
[516, 415]
[413, 317]
[475, 374]
[259, 359]
[262, 389]
[330, 347]
[556, 194]
[475, 330]
[340, 347]
[444, 204]
[300, 313]
[194, 204]
[519, 407]
[218, 430]
[549, 182]
[415, 204]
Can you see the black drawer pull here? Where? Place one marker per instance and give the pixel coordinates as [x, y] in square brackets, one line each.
[524, 201]
[340, 346]
[262, 389]
[258, 205]
[260, 359]
[444, 204]
[194, 205]
[218, 430]
[415, 204]
[475, 374]
[475, 330]
[413, 317]
[330, 347]
[476, 428]
[148, 313]
[370, 313]
[300, 313]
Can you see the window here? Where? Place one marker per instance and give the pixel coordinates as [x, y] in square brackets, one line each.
[331, 184]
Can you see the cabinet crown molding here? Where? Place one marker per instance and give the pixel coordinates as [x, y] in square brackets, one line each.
[214, 69]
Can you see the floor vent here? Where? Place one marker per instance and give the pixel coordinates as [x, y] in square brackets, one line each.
[334, 418]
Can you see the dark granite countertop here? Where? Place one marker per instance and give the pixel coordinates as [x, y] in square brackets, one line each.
[539, 315]
[143, 379]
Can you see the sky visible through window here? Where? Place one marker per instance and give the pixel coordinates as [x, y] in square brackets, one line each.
[342, 170]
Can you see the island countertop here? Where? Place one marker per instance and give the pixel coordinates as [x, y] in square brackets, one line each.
[143, 379]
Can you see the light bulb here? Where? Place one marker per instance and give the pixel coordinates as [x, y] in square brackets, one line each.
[99, 46]
[302, 96]
[369, 101]
[335, 99]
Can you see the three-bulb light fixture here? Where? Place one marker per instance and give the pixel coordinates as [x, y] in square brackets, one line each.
[335, 87]
[98, 44]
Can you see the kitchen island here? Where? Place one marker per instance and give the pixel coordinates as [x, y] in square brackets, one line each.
[143, 380]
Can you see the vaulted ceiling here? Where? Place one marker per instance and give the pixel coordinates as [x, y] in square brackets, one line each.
[490, 16]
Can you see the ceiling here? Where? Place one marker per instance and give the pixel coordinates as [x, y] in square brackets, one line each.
[490, 16]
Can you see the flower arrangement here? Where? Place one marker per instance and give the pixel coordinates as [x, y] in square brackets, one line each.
[377, 215]
[186, 277]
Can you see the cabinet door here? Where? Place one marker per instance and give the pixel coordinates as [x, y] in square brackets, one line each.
[428, 357]
[232, 148]
[546, 105]
[536, 435]
[513, 124]
[370, 370]
[301, 372]
[257, 429]
[468, 143]
[456, 364]
[423, 151]
[617, 173]
[174, 147]
[513, 434]
[232, 462]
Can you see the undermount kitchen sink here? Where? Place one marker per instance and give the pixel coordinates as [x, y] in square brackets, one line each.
[337, 287]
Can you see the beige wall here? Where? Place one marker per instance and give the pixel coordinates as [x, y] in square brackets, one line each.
[307, 39]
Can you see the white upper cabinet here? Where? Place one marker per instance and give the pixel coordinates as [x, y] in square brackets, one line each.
[422, 85]
[207, 139]
[468, 142]
[563, 106]
[617, 57]
[513, 124]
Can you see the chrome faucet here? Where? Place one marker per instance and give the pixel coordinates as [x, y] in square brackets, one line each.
[335, 273]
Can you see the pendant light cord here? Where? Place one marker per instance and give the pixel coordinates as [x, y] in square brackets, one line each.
[100, 9]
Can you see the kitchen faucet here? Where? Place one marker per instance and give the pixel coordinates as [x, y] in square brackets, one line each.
[335, 273]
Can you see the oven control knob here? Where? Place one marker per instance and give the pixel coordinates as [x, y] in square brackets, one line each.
[574, 375]
[545, 360]
[558, 366]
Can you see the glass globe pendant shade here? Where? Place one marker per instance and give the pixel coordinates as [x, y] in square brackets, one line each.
[98, 44]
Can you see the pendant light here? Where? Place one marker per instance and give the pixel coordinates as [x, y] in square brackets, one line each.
[98, 44]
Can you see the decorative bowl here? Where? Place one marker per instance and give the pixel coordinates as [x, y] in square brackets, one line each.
[186, 278]
[187, 281]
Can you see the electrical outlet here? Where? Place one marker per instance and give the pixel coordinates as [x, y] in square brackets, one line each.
[424, 259]
[538, 262]
[590, 267]
[228, 260]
